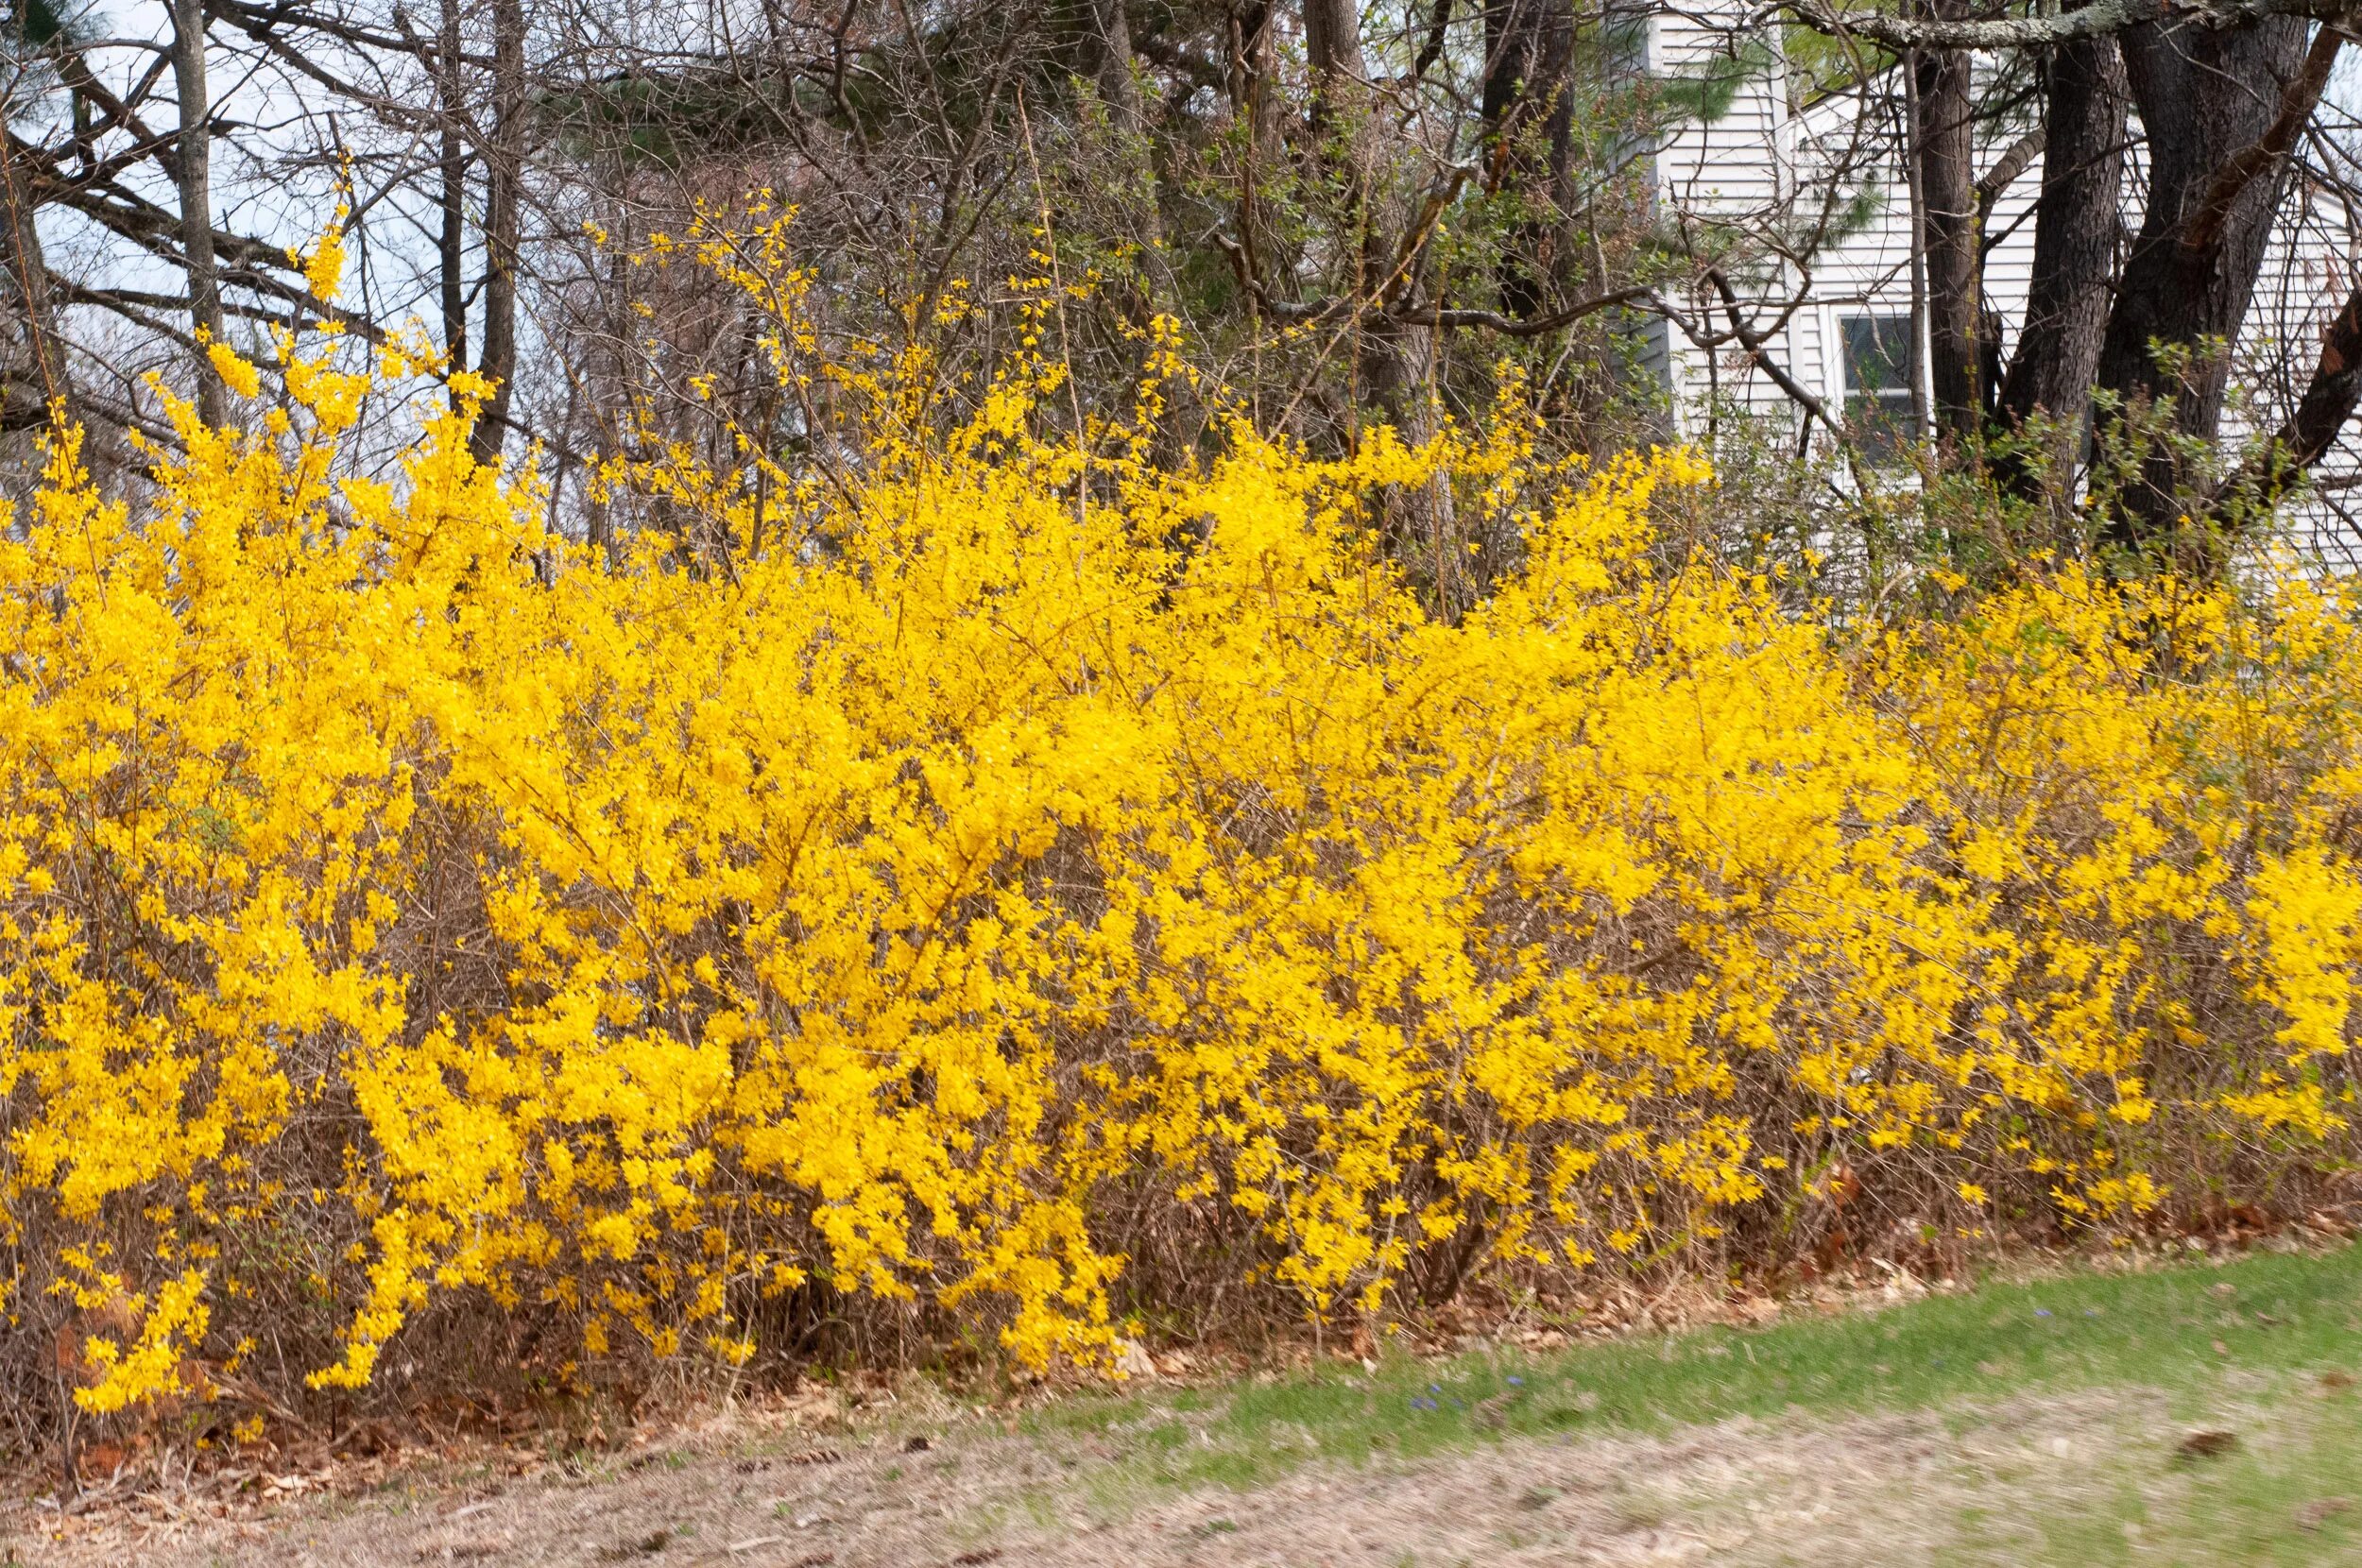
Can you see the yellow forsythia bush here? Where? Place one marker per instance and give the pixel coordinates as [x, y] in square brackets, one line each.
[1027, 885]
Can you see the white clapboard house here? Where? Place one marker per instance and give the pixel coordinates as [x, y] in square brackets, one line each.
[1853, 343]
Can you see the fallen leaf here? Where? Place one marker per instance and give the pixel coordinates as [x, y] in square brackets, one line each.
[2207, 1446]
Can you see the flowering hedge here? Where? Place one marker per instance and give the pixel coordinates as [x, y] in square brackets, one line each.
[1026, 879]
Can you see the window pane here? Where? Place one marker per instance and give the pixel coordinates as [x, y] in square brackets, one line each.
[1878, 381]
[1877, 353]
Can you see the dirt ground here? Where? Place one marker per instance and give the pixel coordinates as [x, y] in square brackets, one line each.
[772, 1493]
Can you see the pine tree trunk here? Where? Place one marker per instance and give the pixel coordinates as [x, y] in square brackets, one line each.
[2076, 220]
[1944, 144]
[2204, 96]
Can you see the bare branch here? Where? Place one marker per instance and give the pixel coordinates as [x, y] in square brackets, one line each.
[2297, 102]
[2015, 160]
[2036, 32]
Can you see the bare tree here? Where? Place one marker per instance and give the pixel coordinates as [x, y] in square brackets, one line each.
[1355, 217]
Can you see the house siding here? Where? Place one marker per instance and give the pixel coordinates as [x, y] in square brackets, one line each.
[1741, 169]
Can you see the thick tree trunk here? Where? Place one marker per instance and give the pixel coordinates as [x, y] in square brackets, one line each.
[1528, 120]
[2077, 218]
[193, 166]
[1332, 50]
[2205, 96]
[505, 171]
[1944, 143]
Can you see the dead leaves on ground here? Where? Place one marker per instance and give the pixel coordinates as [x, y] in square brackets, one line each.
[2206, 1445]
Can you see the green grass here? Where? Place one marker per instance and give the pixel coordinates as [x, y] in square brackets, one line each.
[2290, 1493]
[2175, 1329]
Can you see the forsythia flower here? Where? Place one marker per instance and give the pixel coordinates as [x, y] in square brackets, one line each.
[236, 373]
[975, 881]
[324, 269]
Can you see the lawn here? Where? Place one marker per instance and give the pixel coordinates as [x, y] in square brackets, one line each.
[2195, 1415]
[2266, 1346]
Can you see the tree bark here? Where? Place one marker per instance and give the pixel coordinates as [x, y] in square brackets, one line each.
[1944, 144]
[450, 81]
[28, 269]
[505, 174]
[1332, 50]
[2330, 397]
[193, 168]
[2100, 19]
[2261, 157]
[2077, 218]
[2204, 97]
[1529, 56]
[1256, 107]
[1387, 358]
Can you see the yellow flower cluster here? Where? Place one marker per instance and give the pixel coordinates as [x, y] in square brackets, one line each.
[1023, 875]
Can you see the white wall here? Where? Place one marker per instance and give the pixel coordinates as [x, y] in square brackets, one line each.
[1756, 165]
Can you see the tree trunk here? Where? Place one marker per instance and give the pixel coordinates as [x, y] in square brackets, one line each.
[2205, 96]
[505, 174]
[28, 270]
[451, 80]
[1152, 291]
[1332, 50]
[2329, 397]
[2077, 218]
[1944, 143]
[1528, 120]
[192, 165]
